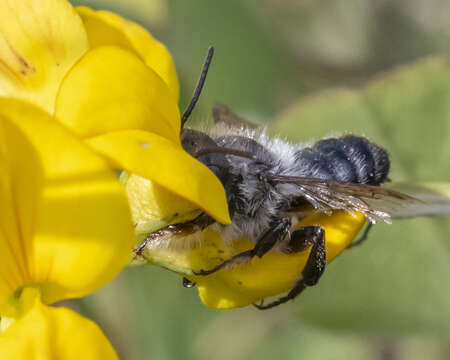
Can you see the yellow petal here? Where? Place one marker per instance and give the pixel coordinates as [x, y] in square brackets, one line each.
[21, 182]
[46, 333]
[151, 203]
[40, 40]
[271, 275]
[153, 207]
[78, 234]
[111, 89]
[166, 164]
[105, 28]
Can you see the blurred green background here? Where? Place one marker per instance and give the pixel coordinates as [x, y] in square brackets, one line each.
[309, 68]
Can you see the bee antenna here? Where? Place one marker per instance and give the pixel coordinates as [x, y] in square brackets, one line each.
[199, 86]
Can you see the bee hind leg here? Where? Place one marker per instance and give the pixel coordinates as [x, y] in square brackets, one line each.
[263, 244]
[315, 266]
[363, 237]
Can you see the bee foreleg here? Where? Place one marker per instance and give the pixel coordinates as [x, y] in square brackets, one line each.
[315, 266]
[263, 244]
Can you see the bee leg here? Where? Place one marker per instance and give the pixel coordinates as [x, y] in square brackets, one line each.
[201, 222]
[265, 243]
[362, 238]
[315, 266]
[302, 239]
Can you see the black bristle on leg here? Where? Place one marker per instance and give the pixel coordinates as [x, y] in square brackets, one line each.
[314, 268]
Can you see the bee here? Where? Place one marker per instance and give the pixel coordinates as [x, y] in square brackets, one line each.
[272, 184]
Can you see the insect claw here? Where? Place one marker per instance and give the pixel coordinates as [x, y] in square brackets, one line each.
[140, 249]
[259, 306]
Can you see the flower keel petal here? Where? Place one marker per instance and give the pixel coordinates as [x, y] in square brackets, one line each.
[151, 203]
[275, 272]
[244, 284]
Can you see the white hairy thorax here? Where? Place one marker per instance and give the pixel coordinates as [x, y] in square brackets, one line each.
[266, 205]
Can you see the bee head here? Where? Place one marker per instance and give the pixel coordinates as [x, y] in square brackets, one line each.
[195, 142]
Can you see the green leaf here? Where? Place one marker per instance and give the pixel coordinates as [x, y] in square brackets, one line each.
[396, 282]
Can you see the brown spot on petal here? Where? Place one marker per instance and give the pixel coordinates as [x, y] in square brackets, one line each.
[25, 67]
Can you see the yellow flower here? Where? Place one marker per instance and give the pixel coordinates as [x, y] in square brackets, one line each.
[115, 86]
[112, 84]
[273, 274]
[65, 230]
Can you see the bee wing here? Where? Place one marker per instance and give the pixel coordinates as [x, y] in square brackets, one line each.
[375, 202]
[222, 113]
[433, 199]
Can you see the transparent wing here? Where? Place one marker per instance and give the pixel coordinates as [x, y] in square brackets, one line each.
[433, 199]
[376, 203]
[222, 113]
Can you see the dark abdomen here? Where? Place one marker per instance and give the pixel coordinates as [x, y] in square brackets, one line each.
[350, 159]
